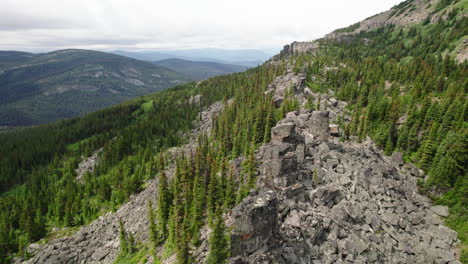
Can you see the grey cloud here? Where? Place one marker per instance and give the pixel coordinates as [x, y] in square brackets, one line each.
[14, 22]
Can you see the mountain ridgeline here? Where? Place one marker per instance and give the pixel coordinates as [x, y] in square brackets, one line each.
[324, 154]
[247, 58]
[200, 69]
[41, 88]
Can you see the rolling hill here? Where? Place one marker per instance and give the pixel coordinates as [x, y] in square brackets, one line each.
[41, 88]
[200, 69]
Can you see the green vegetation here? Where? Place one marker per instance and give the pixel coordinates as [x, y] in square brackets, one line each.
[408, 98]
[43, 160]
[443, 4]
[402, 7]
[200, 70]
[403, 90]
[204, 187]
[40, 88]
[51, 195]
[351, 28]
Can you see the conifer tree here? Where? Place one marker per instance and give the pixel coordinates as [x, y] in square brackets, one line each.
[218, 243]
[153, 229]
[124, 245]
[164, 204]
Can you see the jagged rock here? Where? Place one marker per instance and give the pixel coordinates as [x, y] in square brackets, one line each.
[339, 202]
[298, 48]
[327, 196]
[318, 125]
[289, 83]
[420, 10]
[254, 222]
[283, 132]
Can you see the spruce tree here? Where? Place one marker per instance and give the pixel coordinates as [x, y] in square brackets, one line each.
[164, 204]
[219, 245]
[124, 245]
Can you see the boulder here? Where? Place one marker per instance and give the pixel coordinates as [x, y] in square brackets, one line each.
[254, 223]
[334, 130]
[397, 158]
[440, 210]
[318, 125]
[283, 132]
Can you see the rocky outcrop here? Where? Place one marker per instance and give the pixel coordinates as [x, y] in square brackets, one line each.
[297, 48]
[256, 220]
[99, 241]
[407, 13]
[320, 200]
[291, 83]
[87, 165]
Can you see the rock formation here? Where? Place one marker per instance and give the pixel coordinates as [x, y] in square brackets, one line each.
[320, 200]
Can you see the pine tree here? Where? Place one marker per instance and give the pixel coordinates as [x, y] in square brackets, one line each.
[164, 204]
[124, 245]
[153, 229]
[219, 244]
[427, 150]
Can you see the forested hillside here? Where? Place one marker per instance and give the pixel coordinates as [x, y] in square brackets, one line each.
[403, 86]
[200, 69]
[409, 96]
[41, 88]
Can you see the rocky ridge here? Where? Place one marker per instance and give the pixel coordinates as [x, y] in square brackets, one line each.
[406, 13]
[321, 200]
[318, 200]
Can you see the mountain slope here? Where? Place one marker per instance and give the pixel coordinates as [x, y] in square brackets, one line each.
[42, 88]
[145, 56]
[248, 58]
[8, 58]
[199, 69]
[323, 154]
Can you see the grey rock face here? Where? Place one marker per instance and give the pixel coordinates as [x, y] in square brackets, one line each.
[320, 200]
[318, 125]
[255, 222]
[420, 10]
[289, 83]
[283, 132]
[298, 48]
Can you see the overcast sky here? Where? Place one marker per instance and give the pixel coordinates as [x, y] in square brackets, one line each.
[41, 25]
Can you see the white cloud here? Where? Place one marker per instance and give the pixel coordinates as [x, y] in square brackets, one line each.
[147, 24]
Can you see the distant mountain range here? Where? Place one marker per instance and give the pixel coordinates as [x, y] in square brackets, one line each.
[46, 87]
[248, 57]
[200, 69]
[40, 88]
